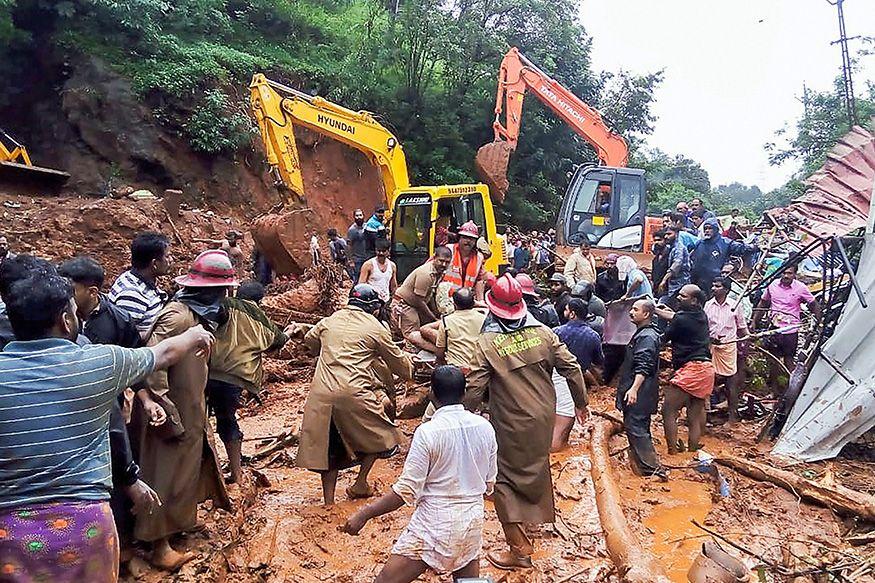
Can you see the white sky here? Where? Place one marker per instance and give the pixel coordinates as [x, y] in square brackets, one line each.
[733, 70]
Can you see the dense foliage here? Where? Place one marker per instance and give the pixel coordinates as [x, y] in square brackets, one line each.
[426, 67]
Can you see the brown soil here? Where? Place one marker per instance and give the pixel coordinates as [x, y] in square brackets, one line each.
[286, 535]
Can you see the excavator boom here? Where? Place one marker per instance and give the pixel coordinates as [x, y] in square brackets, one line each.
[415, 210]
[516, 75]
[278, 108]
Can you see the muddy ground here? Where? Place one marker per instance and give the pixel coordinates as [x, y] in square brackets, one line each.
[280, 531]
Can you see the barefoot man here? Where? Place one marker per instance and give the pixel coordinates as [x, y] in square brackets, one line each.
[345, 421]
[451, 465]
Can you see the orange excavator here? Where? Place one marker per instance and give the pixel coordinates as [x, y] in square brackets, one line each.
[605, 204]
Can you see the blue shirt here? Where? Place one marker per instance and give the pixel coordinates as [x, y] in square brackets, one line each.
[583, 342]
[55, 402]
[688, 239]
[679, 261]
[644, 288]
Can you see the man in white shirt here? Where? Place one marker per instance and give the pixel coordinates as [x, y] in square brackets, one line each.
[451, 465]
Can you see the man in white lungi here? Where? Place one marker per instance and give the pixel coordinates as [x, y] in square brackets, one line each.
[725, 325]
[451, 465]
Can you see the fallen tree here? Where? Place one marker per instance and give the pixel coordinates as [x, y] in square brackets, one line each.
[634, 563]
[836, 497]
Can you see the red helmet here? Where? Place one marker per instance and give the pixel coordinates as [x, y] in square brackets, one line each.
[526, 284]
[469, 229]
[211, 268]
[505, 299]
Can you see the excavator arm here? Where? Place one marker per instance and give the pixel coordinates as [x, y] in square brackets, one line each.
[278, 108]
[518, 74]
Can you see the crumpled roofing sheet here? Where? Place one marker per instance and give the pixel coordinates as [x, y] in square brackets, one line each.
[831, 411]
[837, 197]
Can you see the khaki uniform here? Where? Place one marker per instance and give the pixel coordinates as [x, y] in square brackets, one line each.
[421, 283]
[514, 369]
[183, 470]
[343, 416]
[579, 268]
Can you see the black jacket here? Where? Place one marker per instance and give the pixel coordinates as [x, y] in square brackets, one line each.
[608, 288]
[544, 312]
[642, 357]
[560, 304]
[111, 325]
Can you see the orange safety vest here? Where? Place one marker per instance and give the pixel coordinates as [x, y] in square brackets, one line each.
[454, 275]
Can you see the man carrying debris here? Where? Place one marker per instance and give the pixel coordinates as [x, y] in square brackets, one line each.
[136, 291]
[580, 265]
[450, 467]
[466, 266]
[783, 300]
[236, 364]
[638, 391]
[56, 400]
[177, 457]
[355, 239]
[345, 421]
[726, 324]
[586, 345]
[514, 360]
[608, 285]
[693, 380]
[414, 303]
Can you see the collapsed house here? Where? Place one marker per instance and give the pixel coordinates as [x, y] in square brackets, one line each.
[833, 402]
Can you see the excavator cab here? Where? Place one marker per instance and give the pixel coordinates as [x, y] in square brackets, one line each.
[426, 217]
[605, 206]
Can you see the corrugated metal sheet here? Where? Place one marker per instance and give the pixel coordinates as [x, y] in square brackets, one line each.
[837, 197]
[830, 410]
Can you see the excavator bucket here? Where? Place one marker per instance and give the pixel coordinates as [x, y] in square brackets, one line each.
[13, 173]
[285, 239]
[491, 163]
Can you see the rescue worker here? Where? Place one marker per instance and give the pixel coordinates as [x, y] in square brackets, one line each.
[414, 304]
[466, 266]
[514, 360]
[177, 457]
[345, 420]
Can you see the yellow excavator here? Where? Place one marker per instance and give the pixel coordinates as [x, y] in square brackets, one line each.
[16, 167]
[415, 212]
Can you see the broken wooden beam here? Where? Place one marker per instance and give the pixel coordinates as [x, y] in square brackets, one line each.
[836, 497]
[633, 562]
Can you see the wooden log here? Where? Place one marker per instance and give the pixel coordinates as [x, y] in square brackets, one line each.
[836, 497]
[633, 562]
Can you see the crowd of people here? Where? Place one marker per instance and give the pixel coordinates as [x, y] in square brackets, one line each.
[518, 349]
[105, 397]
[104, 401]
